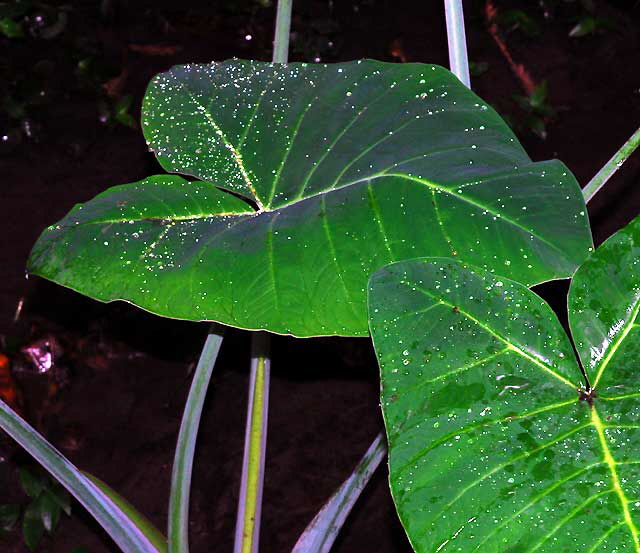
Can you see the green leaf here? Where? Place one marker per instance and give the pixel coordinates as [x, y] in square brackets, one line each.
[49, 511]
[10, 28]
[604, 301]
[350, 166]
[586, 26]
[537, 126]
[9, 515]
[478, 68]
[539, 95]
[32, 525]
[496, 442]
[32, 484]
[121, 112]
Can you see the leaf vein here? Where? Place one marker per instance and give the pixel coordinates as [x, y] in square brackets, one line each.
[535, 500]
[510, 345]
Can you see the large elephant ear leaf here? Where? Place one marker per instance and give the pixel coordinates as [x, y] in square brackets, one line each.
[340, 169]
[496, 442]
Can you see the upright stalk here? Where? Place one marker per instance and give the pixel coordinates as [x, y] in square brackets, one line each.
[602, 176]
[249, 504]
[458, 60]
[247, 536]
[178, 529]
[283, 26]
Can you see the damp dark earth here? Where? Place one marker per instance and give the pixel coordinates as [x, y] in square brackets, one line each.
[106, 383]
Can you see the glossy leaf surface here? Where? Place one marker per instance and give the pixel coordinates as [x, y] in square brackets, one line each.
[492, 448]
[341, 169]
[604, 301]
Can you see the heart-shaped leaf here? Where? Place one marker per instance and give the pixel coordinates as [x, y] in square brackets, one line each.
[497, 443]
[341, 169]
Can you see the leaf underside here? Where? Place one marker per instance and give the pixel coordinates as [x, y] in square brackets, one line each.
[337, 170]
[496, 441]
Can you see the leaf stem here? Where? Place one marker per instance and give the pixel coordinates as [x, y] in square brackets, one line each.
[458, 60]
[319, 536]
[250, 501]
[283, 26]
[178, 529]
[602, 176]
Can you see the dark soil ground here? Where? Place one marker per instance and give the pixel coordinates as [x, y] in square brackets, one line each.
[129, 372]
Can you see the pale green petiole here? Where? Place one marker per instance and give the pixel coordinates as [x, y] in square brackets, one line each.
[283, 26]
[602, 176]
[250, 500]
[183, 461]
[458, 60]
[319, 536]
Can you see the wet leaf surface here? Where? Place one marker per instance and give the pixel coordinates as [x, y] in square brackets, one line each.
[497, 442]
[337, 170]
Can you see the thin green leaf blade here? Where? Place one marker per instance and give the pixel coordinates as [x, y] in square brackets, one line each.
[352, 166]
[604, 301]
[491, 446]
[322, 531]
[145, 526]
[124, 533]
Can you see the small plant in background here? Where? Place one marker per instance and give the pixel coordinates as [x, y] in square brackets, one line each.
[537, 110]
[534, 112]
[477, 68]
[66, 64]
[512, 19]
[581, 18]
[591, 24]
[117, 112]
[41, 515]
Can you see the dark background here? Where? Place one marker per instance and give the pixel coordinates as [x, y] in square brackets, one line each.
[71, 89]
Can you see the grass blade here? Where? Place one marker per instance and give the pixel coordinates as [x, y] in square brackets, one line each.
[122, 530]
[178, 531]
[323, 530]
